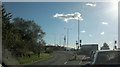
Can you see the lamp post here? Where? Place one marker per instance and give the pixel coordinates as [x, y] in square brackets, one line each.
[60, 41]
[67, 36]
[67, 39]
[78, 31]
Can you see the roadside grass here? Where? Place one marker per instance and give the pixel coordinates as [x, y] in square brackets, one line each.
[33, 58]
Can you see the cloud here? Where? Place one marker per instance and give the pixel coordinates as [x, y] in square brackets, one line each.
[91, 4]
[105, 23]
[102, 33]
[83, 31]
[90, 35]
[67, 17]
[110, 42]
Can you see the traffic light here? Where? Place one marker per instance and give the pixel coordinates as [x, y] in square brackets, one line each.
[76, 43]
[115, 42]
[115, 47]
[80, 42]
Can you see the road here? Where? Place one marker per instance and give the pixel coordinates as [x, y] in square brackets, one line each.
[60, 58]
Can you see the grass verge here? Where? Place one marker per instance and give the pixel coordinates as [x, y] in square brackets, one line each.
[33, 58]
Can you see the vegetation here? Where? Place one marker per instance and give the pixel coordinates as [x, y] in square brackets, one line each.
[105, 46]
[33, 58]
[24, 38]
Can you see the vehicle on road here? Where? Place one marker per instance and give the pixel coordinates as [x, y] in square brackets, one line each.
[88, 49]
[104, 57]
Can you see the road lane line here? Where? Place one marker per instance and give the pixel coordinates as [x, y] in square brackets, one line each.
[82, 59]
[80, 62]
[65, 62]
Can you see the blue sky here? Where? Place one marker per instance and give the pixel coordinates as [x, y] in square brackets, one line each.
[99, 24]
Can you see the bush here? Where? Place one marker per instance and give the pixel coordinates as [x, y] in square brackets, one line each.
[49, 50]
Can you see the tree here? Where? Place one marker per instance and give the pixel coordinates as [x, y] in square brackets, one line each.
[29, 31]
[11, 39]
[20, 36]
[105, 46]
[7, 29]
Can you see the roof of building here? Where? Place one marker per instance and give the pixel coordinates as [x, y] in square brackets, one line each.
[89, 45]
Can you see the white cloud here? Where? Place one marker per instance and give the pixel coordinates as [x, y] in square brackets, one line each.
[110, 42]
[91, 4]
[83, 31]
[102, 33]
[105, 23]
[67, 17]
[90, 35]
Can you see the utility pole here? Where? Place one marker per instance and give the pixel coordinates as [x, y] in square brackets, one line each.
[64, 41]
[60, 39]
[78, 30]
[67, 30]
[67, 36]
[55, 40]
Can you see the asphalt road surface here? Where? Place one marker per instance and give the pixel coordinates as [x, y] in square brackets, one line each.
[60, 58]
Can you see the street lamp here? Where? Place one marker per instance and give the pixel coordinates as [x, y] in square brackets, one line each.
[67, 35]
[78, 30]
[60, 41]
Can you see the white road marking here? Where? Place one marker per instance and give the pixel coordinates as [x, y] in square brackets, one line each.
[65, 62]
[0, 65]
[82, 59]
[80, 62]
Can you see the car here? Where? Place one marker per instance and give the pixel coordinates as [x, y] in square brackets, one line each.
[105, 57]
[101, 57]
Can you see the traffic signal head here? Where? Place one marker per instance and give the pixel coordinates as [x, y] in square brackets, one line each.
[80, 41]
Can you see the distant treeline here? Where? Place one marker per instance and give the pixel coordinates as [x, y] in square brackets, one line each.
[21, 36]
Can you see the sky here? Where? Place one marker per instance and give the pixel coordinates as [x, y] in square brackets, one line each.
[98, 20]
